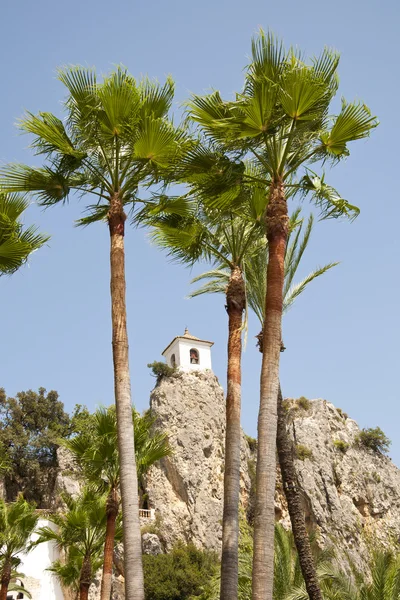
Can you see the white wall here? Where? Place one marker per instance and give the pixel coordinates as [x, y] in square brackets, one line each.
[181, 348]
[42, 584]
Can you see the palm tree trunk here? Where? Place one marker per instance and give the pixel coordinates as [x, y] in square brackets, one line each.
[85, 578]
[296, 512]
[235, 301]
[264, 518]
[112, 513]
[134, 589]
[84, 591]
[5, 580]
[292, 494]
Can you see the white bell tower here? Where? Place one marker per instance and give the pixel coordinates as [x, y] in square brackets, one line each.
[188, 353]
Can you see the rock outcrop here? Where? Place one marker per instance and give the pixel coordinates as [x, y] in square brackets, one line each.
[186, 489]
[350, 494]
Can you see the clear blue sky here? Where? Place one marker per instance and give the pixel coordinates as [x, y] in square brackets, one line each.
[341, 336]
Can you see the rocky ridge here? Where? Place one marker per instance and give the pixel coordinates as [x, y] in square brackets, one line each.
[350, 494]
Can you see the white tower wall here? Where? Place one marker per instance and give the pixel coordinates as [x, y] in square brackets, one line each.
[181, 348]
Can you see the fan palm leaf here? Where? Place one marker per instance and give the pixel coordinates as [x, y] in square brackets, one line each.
[16, 243]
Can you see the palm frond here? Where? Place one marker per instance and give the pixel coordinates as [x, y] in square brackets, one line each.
[297, 289]
[156, 99]
[354, 122]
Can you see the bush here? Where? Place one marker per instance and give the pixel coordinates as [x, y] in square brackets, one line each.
[252, 442]
[161, 369]
[376, 477]
[303, 403]
[178, 575]
[302, 452]
[341, 445]
[374, 439]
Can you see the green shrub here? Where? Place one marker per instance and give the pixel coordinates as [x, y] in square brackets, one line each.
[302, 452]
[161, 369]
[342, 414]
[252, 442]
[376, 477]
[303, 403]
[178, 575]
[153, 526]
[374, 439]
[341, 445]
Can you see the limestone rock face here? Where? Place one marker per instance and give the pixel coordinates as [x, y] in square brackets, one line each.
[67, 480]
[117, 592]
[151, 544]
[186, 489]
[351, 496]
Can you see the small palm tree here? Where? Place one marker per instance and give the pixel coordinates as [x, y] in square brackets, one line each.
[17, 524]
[96, 453]
[16, 243]
[116, 139]
[80, 533]
[69, 570]
[281, 123]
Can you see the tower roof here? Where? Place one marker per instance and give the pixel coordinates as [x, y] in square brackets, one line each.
[187, 336]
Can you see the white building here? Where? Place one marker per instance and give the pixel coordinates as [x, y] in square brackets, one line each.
[188, 353]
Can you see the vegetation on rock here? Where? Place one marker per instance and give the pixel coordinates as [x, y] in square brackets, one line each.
[374, 439]
[161, 369]
[302, 452]
[341, 445]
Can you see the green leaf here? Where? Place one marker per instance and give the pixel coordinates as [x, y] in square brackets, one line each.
[353, 123]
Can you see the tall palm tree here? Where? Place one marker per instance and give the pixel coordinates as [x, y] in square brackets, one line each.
[281, 122]
[16, 243]
[17, 523]
[80, 533]
[116, 138]
[96, 453]
[226, 242]
[256, 290]
[255, 270]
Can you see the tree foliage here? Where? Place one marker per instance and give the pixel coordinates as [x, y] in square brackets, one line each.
[16, 242]
[31, 425]
[17, 523]
[374, 439]
[115, 138]
[179, 575]
[80, 532]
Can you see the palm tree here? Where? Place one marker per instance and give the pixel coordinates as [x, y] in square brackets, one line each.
[96, 453]
[115, 139]
[281, 123]
[68, 571]
[80, 533]
[255, 270]
[16, 243]
[228, 242]
[17, 523]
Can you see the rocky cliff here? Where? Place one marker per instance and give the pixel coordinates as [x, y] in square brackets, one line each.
[350, 494]
[186, 489]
